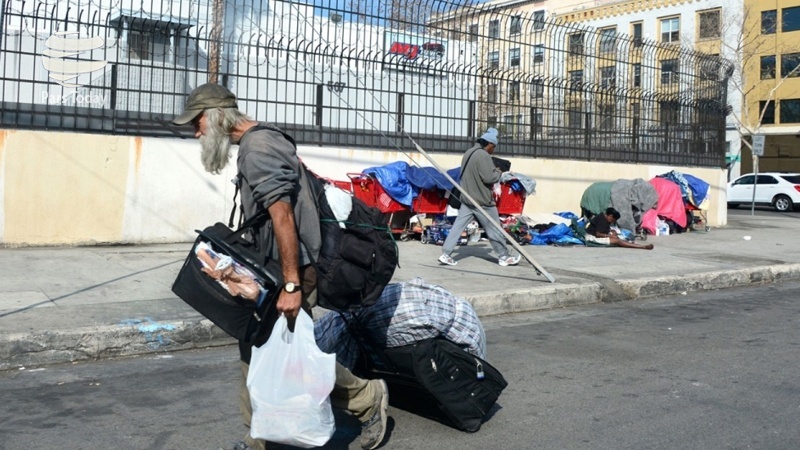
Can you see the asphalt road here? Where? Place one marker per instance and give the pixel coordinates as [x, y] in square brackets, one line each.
[715, 370]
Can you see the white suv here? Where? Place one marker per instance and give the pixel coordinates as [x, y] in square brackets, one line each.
[781, 190]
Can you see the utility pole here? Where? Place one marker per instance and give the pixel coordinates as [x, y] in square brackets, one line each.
[758, 150]
[215, 41]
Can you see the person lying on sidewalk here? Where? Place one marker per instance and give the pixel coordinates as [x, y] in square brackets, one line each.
[599, 231]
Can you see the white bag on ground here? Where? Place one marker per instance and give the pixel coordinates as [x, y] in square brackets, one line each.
[290, 381]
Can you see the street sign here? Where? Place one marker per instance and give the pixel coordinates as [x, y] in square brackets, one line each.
[758, 144]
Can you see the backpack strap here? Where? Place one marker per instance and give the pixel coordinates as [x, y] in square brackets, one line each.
[238, 183]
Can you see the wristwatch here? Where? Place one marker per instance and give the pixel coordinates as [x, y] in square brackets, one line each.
[291, 287]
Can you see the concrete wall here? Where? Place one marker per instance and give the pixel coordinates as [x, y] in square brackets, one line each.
[77, 189]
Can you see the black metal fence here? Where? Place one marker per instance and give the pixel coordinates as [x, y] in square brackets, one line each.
[365, 73]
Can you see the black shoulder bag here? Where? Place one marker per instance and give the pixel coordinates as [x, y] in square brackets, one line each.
[243, 319]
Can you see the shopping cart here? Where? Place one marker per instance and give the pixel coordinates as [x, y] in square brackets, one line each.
[344, 185]
[367, 189]
[510, 202]
[430, 201]
[697, 218]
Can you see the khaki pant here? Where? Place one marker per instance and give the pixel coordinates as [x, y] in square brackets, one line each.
[350, 393]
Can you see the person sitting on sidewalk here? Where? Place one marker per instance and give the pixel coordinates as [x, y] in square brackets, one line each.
[478, 175]
[599, 231]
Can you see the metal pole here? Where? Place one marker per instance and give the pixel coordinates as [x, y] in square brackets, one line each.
[2, 21]
[489, 219]
[215, 41]
[755, 183]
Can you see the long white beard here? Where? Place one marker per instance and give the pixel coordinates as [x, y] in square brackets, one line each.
[216, 149]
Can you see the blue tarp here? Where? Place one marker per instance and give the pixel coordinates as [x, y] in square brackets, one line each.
[392, 177]
[430, 178]
[689, 184]
[699, 188]
[403, 182]
[560, 234]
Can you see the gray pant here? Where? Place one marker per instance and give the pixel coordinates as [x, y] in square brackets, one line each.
[466, 215]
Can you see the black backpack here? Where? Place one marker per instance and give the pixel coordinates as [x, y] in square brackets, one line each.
[355, 262]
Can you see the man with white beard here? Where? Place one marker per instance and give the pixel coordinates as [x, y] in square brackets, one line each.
[271, 177]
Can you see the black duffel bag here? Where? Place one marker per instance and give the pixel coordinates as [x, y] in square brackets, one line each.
[241, 318]
[435, 378]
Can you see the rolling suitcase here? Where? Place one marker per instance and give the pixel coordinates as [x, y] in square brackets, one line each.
[436, 378]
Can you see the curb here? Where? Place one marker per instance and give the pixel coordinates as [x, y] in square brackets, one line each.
[93, 343]
[722, 279]
[537, 299]
[86, 344]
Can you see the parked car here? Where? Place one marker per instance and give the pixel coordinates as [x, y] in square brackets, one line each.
[781, 190]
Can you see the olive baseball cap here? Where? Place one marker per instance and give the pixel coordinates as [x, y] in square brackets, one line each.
[209, 95]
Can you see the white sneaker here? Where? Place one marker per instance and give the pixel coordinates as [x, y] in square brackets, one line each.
[446, 259]
[507, 260]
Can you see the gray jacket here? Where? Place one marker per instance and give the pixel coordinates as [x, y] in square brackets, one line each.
[478, 175]
[271, 172]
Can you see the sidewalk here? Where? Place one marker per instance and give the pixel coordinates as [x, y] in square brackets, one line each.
[69, 304]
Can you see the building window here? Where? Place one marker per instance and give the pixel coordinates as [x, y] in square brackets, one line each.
[709, 68]
[637, 75]
[491, 121]
[538, 20]
[511, 126]
[138, 45]
[768, 109]
[769, 21]
[576, 43]
[768, 67]
[537, 122]
[537, 89]
[513, 57]
[455, 34]
[790, 20]
[538, 53]
[473, 32]
[670, 30]
[790, 110]
[575, 80]
[670, 112]
[608, 40]
[605, 116]
[515, 25]
[608, 77]
[669, 71]
[709, 26]
[574, 118]
[507, 127]
[513, 91]
[789, 63]
[636, 32]
[494, 60]
[491, 93]
[494, 29]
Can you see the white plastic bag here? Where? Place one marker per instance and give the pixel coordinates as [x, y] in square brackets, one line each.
[290, 381]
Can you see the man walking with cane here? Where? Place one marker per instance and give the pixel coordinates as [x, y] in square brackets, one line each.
[478, 175]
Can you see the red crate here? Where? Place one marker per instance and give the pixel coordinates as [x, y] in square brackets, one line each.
[368, 190]
[429, 202]
[510, 202]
